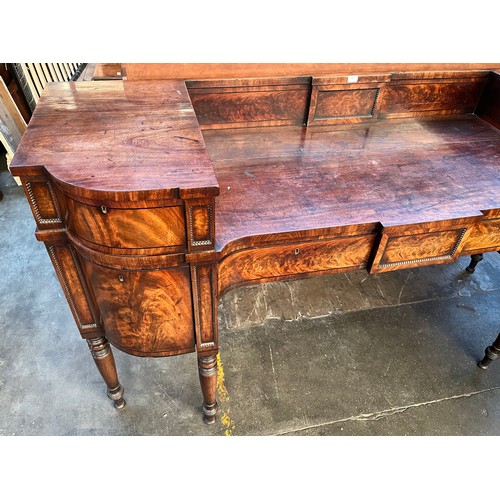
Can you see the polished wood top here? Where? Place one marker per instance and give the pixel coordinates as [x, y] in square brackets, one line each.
[138, 141]
[288, 179]
[127, 140]
[159, 71]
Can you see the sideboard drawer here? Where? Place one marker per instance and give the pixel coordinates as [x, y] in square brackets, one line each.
[268, 264]
[146, 313]
[416, 245]
[128, 228]
[485, 235]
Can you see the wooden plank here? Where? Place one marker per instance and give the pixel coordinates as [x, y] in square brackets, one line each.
[46, 72]
[11, 107]
[41, 75]
[12, 124]
[63, 71]
[52, 70]
[30, 82]
[59, 76]
[35, 79]
[68, 70]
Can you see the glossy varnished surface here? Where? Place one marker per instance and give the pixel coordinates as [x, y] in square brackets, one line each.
[144, 313]
[126, 140]
[275, 180]
[103, 165]
[148, 71]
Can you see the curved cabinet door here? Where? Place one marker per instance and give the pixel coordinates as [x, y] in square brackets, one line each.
[146, 313]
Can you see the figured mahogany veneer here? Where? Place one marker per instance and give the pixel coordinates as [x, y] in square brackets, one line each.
[148, 220]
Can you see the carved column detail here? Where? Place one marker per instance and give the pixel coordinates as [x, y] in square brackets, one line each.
[207, 368]
[67, 267]
[105, 362]
[203, 277]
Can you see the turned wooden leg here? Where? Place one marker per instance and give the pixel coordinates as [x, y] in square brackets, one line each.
[492, 352]
[474, 261]
[105, 362]
[207, 368]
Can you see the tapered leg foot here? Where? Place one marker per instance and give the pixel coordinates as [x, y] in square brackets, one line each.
[474, 261]
[492, 352]
[207, 368]
[105, 362]
[116, 395]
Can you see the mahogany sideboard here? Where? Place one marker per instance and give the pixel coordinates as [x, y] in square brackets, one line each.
[154, 197]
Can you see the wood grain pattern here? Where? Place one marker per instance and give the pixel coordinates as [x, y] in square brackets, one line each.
[457, 97]
[144, 313]
[200, 219]
[67, 267]
[268, 264]
[420, 247]
[404, 247]
[43, 203]
[121, 228]
[105, 362]
[394, 172]
[162, 71]
[460, 74]
[204, 279]
[151, 220]
[287, 106]
[336, 104]
[128, 141]
[484, 237]
[207, 370]
[245, 84]
[350, 80]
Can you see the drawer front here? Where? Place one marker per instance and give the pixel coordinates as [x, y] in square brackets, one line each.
[485, 235]
[420, 245]
[268, 264]
[147, 313]
[128, 228]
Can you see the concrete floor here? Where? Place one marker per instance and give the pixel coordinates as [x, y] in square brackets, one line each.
[346, 354]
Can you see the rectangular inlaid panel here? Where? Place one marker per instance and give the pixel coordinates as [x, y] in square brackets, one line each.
[147, 313]
[200, 224]
[457, 97]
[66, 264]
[251, 107]
[43, 203]
[128, 228]
[263, 264]
[406, 250]
[335, 104]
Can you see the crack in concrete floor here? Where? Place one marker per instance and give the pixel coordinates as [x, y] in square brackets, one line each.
[386, 413]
